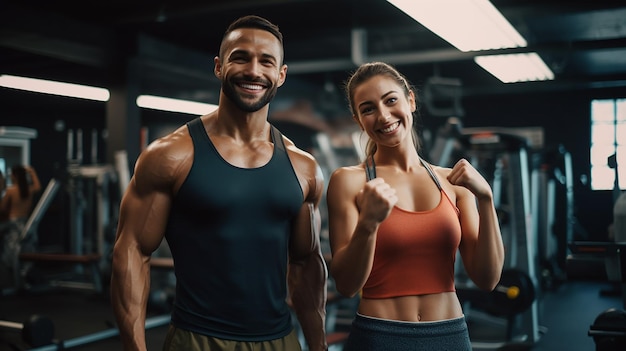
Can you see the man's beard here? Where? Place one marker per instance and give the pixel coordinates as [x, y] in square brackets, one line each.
[229, 89]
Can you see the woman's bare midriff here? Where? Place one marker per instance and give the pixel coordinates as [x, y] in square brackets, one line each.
[422, 308]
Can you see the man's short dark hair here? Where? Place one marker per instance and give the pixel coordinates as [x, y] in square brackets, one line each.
[254, 22]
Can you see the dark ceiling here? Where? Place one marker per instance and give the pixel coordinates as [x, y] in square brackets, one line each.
[168, 45]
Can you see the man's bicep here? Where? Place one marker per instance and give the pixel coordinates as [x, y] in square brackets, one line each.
[143, 218]
[305, 236]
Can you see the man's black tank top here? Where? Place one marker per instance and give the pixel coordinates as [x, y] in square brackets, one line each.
[228, 232]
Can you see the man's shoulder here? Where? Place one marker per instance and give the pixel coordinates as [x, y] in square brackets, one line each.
[296, 152]
[167, 155]
[171, 142]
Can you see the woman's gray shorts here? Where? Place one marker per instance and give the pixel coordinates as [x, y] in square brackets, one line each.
[374, 334]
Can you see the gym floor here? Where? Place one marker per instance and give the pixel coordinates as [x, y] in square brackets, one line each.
[566, 313]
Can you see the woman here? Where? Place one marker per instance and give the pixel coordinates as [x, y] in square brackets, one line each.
[17, 204]
[396, 223]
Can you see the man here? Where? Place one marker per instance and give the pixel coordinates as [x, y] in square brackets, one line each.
[238, 206]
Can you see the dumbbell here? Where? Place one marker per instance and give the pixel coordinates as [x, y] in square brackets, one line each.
[511, 292]
[514, 293]
[36, 331]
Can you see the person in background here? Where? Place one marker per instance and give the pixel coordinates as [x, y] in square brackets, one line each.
[16, 206]
[237, 203]
[396, 223]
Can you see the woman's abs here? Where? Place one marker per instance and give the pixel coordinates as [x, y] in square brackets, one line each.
[421, 308]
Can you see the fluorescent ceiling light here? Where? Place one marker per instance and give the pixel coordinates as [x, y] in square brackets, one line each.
[512, 68]
[468, 25]
[474, 25]
[54, 88]
[174, 105]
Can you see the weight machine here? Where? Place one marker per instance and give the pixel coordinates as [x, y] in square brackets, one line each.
[502, 158]
[553, 211]
[92, 215]
[15, 146]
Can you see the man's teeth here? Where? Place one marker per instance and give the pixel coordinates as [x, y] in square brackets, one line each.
[251, 86]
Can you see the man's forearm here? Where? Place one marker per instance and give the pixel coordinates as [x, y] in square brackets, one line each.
[130, 322]
[308, 295]
[129, 291]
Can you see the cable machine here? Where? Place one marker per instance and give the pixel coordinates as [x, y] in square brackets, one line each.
[502, 158]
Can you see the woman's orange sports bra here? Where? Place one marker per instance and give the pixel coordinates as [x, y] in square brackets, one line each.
[415, 251]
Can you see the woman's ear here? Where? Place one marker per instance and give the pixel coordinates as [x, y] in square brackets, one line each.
[412, 102]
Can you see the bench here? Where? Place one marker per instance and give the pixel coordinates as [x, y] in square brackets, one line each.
[92, 261]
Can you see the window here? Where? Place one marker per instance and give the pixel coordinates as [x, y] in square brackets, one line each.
[608, 137]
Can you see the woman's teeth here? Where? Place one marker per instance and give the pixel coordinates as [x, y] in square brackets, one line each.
[390, 128]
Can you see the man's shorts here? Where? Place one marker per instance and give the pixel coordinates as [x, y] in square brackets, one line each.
[183, 340]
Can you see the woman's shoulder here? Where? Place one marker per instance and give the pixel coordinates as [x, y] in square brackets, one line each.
[348, 177]
[11, 195]
[441, 172]
[349, 171]
[345, 182]
[12, 191]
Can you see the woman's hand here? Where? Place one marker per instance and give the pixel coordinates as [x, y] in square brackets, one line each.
[465, 175]
[376, 200]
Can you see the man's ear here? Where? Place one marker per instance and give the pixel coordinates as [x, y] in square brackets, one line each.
[282, 75]
[217, 69]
